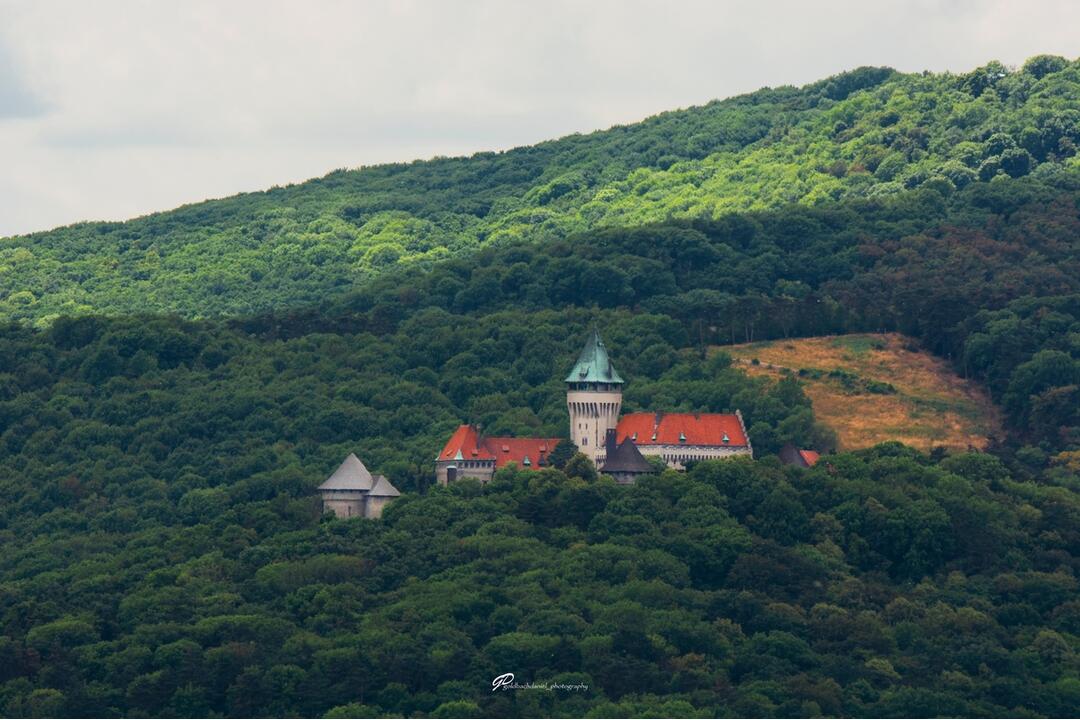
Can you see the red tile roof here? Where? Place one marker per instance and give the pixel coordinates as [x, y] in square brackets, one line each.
[682, 429]
[466, 440]
[502, 450]
[506, 449]
[809, 457]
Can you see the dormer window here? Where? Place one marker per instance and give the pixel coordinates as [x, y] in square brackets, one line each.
[682, 437]
[526, 462]
[726, 439]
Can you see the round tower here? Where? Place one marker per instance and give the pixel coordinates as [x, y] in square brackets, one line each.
[593, 398]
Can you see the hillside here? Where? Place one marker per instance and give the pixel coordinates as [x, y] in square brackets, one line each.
[868, 133]
[164, 555]
[879, 388]
[163, 550]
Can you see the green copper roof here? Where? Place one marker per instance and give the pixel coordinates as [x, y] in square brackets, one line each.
[593, 364]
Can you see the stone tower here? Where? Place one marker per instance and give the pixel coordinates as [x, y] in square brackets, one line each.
[593, 397]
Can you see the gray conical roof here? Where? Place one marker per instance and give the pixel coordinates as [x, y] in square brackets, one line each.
[593, 364]
[383, 488]
[628, 459]
[351, 475]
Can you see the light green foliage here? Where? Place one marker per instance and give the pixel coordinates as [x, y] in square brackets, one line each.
[871, 132]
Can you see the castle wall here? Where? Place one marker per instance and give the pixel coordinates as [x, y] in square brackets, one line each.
[344, 503]
[375, 506]
[481, 470]
[676, 455]
[623, 478]
[592, 414]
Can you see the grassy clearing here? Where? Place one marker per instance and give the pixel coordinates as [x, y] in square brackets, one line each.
[873, 388]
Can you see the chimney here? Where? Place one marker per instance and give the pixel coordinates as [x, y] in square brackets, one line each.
[609, 442]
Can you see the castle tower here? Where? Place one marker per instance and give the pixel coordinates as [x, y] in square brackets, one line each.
[593, 398]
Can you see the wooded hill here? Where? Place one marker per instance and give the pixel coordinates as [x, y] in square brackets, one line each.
[164, 554]
[867, 133]
[163, 549]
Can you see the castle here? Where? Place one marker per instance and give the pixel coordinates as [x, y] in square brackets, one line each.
[352, 491]
[594, 401]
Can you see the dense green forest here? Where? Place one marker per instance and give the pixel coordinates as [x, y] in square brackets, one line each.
[164, 553]
[886, 585]
[988, 276]
[173, 389]
[132, 448]
[868, 133]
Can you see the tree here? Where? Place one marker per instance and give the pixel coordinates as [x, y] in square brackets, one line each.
[580, 466]
[562, 453]
[457, 709]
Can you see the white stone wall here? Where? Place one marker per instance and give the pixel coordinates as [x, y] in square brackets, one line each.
[481, 470]
[592, 414]
[676, 455]
[375, 506]
[344, 503]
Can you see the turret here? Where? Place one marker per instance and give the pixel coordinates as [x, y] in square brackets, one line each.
[593, 398]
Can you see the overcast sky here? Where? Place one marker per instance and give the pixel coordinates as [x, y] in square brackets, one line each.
[112, 109]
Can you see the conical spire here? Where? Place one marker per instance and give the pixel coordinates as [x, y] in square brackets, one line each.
[351, 475]
[383, 488]
[593, 364]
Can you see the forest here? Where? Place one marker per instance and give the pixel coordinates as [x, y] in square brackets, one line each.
[170, 399]
[871, 132]
[165, 556]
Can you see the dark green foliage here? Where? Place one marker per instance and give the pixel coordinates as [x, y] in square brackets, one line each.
[164, 554]
[562, 453]
[159, 523]
[864, 588]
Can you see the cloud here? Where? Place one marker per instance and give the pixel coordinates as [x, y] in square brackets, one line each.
[150, 105]
[16, 99]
